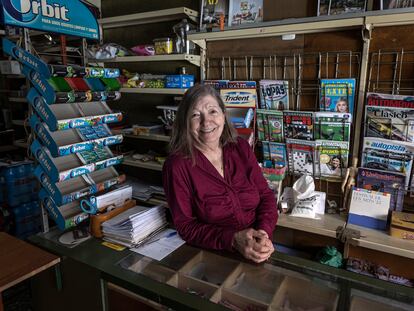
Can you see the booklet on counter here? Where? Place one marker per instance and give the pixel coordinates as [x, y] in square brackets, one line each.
[161, 245]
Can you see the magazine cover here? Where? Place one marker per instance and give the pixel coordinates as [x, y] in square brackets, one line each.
[298, 124]
[331, 159]
[334, 7]
[396, 4]
[245, 11]
[383, 181]
[336, 131]
[269, 125]
[389, 116]
[274, 94]
[217, 84]
[337, 95]
[300, 155]
[211, 10]
[332, 126]
[327, 116]
[389, 123]
[389, 101]
[276, 152]
[388, 155]
[241, 85]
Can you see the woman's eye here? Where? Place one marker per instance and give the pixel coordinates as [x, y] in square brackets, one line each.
[195, 115]
[213, 111]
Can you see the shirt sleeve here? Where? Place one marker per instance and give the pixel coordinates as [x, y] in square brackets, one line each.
[178, 190]
[266, 213]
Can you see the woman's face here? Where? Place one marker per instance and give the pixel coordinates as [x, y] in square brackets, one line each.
[342, 106]
[207, 121]
[336, 162]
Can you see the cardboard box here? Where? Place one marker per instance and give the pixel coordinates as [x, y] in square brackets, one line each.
[10, 67]
[402, 225]
[179, 81]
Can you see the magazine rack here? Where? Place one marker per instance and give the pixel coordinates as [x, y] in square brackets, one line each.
[71, 148]
[303, 72]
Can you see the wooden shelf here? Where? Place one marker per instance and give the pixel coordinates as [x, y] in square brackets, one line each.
[7, 148]
[313, 24]
[157, 202]
[15, 76]
[150, 137]
[325, 226]
[18, 99]
[282, 27]
[149, 17]
[151, 165]
[383, 242]
[21, 143]
[193, 59]
[18, 122]
[165, 91]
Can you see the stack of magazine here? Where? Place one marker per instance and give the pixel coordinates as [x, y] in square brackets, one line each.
[135, 226]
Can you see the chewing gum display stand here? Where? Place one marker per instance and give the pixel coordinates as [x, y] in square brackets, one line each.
[75, 165]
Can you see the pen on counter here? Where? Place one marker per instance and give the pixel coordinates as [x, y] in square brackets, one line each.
[164, 237]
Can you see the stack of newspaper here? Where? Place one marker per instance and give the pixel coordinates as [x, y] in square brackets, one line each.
[144, 191]
[135, 226]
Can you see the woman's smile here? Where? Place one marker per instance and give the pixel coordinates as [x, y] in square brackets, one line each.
[207, 121]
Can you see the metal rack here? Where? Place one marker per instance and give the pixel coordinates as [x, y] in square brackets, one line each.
[302, 70]
[391, 72]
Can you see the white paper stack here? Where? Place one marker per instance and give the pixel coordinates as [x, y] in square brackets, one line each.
[135, 226]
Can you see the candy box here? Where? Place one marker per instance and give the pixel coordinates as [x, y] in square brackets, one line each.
[179, 81]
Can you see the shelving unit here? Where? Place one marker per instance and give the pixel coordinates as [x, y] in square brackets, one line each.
[18, 99]
[163, 91]
[150, 137]
[193, 59]
[151, 165]
[381, 241]
[315, 24]
[19, 122]
[325, 226]
[148, 17]
[21, 143]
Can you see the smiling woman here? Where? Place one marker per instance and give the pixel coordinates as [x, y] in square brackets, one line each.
[215, 189]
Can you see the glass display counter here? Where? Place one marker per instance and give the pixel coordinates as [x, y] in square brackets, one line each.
[278, 284]
[195, 279]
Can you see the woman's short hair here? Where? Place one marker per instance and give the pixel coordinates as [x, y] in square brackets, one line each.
[182, 139]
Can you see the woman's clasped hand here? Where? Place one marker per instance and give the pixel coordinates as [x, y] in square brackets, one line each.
[253, 244]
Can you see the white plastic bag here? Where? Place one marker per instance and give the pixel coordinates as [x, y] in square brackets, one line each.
[303, 188]
[306, 201]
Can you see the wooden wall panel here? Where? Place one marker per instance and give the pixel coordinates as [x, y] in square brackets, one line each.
[349, 40]
[392, 60]
[254, 47]
[281, 9]
[392, 38]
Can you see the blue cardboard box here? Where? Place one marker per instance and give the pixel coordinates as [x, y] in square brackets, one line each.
[179, 81]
